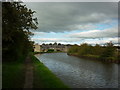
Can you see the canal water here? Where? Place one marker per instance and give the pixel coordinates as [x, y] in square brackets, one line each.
[81, 73]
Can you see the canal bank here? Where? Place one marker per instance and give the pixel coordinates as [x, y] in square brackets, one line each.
[43, 77]
[29, 73]
[81, 73]
[93, 57]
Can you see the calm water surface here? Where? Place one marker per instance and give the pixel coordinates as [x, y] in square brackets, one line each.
[81, 73]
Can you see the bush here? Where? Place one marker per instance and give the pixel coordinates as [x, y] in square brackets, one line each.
[50, 50]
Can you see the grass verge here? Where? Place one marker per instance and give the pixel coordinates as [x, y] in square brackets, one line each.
[13, 74]
[43, 77]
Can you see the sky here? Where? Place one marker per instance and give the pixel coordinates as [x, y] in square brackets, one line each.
[75, 22]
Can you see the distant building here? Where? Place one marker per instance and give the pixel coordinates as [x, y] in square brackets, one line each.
[37, 48]
[55, 46]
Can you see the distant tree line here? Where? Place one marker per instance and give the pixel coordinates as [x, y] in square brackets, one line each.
[107, 52]
[17, 19]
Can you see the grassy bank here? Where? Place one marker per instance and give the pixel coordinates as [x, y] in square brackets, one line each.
[13, 74]
[107, 53]
[43, 77]
[96, 57]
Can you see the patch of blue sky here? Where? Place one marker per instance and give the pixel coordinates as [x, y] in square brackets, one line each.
[102, 26]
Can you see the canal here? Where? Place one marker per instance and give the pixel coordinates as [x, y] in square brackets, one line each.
[81, 73]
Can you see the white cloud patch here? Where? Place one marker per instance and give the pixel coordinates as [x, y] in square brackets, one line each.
[111, 32]
[102, 41]
[76, 40]
[82, 27]
[57, 39]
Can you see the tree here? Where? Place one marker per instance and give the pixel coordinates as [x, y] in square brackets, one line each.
[73, 49]
[97, 50]
[85, 49]
[109, 51]
[17, 20]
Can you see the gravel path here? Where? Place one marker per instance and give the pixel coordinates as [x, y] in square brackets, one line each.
[28, 73]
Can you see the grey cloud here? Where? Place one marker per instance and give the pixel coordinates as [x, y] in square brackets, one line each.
[70, 0]
[67, 16]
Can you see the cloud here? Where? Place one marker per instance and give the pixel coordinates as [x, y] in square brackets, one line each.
[70, 0]
[57, 39]
[111, 32]
[68, 16]
[102, 41]
[38, 33]
[76, 40]
[75, 22]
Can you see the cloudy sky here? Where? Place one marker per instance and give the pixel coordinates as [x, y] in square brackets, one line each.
[75, 22]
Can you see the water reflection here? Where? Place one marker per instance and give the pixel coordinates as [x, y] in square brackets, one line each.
[81, 73]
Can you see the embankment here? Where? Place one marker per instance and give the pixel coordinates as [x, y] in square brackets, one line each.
[93, 57]
[43, 77]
